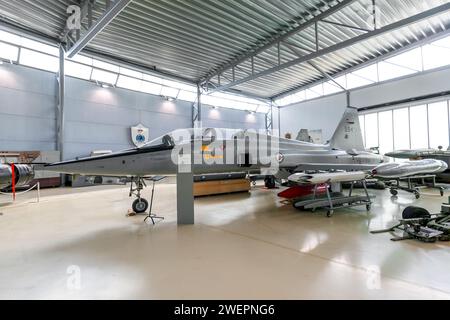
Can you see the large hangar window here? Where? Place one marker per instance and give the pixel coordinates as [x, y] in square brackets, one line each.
[408, 127]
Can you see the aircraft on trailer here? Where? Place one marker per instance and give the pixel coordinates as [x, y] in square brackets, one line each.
[345, 151]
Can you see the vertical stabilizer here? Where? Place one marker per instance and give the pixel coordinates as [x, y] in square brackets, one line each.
[348, 134]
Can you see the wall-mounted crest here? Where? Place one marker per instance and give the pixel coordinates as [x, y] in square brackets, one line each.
[139, 135]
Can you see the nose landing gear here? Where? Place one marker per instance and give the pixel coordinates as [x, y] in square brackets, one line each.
[140, 205]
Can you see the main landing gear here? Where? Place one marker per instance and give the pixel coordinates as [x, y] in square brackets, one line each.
[140, 205]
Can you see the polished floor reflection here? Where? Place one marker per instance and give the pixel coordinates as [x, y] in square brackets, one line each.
[80, 244]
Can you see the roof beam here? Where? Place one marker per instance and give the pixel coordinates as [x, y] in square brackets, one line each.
[277, 38]
[342, 45]
[111, 12]
[385, 56]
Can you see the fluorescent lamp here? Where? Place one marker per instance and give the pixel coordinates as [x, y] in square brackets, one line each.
[104, 76]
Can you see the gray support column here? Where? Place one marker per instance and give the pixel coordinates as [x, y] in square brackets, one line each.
[61, 101]
[185, 198]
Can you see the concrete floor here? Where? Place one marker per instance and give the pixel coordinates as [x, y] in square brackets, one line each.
[80, 244]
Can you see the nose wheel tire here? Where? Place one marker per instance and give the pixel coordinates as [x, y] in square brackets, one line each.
[140, 205]
[269, 182]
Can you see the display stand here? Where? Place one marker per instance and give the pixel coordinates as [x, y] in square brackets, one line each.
[151, 215]
[414, 187]
[334, 200]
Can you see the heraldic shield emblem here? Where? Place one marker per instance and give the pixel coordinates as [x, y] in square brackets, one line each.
[139, 135]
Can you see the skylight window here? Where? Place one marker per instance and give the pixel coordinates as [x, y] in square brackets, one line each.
[131, 73]
[445, 42]
[82, 59]
[39, 46]
[106, 66]
[39, 60]
[187, 96]
[212, 101]
[11, 38]
[391, 71]
[330, 87]
[77, 70]
[129, 83]
[179, 85]
[370, 73]
[311, 94]
[263, 108]
[151, 88]
[435, 56]
[8, 52]
[354, 81]
[299, 96]
[153, 79]
[169, 92]
[104, 76]
[251, 107]
[411, 59]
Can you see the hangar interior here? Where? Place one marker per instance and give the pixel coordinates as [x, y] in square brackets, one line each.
[69, 92]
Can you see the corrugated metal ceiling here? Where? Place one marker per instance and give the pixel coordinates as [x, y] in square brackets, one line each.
[189, 38]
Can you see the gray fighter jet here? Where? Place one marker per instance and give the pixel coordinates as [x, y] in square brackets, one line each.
[212, 151]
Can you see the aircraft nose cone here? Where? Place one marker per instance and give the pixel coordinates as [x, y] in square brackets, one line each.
[444, 165]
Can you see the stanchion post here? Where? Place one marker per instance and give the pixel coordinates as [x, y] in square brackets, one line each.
[39, 191]
[13, 182]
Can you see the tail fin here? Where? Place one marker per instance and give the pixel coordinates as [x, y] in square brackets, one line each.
[348, 134]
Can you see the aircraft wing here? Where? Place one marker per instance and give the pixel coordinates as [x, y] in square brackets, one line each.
[334, 166]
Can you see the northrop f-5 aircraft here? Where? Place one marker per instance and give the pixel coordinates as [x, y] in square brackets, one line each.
[210, 151]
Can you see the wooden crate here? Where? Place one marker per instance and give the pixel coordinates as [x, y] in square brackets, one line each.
[206, 188]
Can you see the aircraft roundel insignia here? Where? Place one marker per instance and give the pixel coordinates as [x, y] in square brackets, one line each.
[140, 138]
